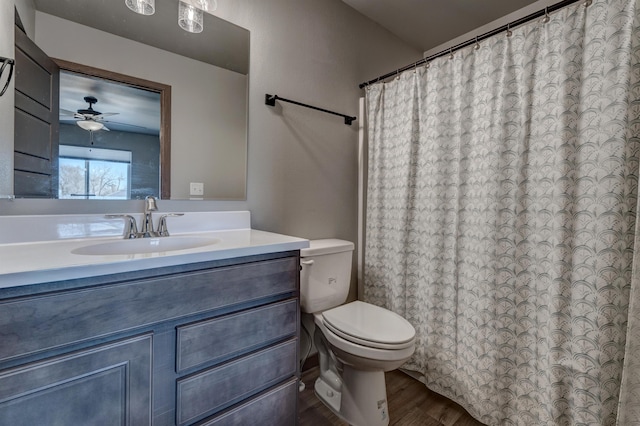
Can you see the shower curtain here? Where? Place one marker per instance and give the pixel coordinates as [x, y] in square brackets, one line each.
[501, 218]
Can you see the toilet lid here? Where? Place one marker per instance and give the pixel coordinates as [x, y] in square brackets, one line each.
[369, 325]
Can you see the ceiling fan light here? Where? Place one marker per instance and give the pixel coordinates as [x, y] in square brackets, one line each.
[190, 18]
[90, 125]
[143, 7]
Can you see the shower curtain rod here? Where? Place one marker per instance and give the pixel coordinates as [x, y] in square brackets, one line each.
[271, 101]
[474, 40]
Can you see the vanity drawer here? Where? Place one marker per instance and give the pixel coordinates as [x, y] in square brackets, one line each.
[275, 407]
[220, 338]
[33, 324]
[215, 389]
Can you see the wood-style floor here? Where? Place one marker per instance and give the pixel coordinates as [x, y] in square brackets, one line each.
[410, 404]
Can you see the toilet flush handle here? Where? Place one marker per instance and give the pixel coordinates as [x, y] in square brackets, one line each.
[306, 262]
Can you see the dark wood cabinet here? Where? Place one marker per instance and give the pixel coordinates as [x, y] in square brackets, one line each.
[207, 343]
[106, 385]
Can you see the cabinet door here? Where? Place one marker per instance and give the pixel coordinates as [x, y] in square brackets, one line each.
[36, 115]
[105, 385]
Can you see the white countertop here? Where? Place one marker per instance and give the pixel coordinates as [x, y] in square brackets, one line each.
[35, 262]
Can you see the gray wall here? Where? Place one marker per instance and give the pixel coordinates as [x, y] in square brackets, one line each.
[302, 164]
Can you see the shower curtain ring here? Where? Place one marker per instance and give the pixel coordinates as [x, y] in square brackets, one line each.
[546, 16]
[509, 32]
[450, 53]
[477, 45]
[588, 3]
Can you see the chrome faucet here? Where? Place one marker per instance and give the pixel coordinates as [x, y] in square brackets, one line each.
[147, 231]
[150, 206]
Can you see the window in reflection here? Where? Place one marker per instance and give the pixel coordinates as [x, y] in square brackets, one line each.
[93, 173]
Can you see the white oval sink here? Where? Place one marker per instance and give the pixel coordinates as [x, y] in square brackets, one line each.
[145, 245]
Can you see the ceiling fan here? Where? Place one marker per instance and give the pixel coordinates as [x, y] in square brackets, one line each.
[88, 118]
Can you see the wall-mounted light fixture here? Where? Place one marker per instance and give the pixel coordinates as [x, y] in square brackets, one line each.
[190, 18]
[143, 7]
[205, 5]
[191, 14]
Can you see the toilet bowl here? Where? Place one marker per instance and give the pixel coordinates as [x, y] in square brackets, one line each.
[357, 342]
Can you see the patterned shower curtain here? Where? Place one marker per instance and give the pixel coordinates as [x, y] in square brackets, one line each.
[501, 218]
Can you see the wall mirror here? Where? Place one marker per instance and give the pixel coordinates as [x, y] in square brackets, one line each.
[207, 74]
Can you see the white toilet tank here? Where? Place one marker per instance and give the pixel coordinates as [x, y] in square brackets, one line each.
[326, 274]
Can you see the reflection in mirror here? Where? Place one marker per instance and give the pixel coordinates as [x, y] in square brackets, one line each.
[208, 109]
[109, 139]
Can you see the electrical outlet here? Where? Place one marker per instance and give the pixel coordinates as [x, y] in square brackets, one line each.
[196, 188]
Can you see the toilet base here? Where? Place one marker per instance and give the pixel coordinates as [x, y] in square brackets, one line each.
[362, 400]
[328, 395]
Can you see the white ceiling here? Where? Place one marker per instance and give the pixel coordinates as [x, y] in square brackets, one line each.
[425, 24]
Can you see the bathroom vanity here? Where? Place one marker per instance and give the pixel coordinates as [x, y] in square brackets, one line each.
[209, 339]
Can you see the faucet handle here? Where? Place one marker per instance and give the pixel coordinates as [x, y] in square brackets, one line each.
[130, 226]
[162, 225]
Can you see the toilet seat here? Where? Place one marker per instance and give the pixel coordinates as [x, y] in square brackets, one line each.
[341, 344]
[369, 325]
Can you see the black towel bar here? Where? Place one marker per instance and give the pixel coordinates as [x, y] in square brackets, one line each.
[271, 101]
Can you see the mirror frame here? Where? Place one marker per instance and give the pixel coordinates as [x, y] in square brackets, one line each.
[165, 111]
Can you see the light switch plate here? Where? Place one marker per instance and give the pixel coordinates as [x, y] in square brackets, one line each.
[196, 188]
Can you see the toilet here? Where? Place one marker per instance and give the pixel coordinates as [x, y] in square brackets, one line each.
[357, 342]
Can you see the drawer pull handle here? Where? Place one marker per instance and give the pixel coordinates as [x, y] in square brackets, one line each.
[306, 262]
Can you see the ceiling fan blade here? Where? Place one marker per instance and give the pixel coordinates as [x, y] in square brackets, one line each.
[125, 124]
[101, 116]
[67, 112]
